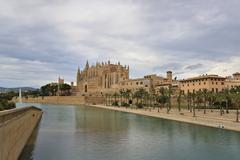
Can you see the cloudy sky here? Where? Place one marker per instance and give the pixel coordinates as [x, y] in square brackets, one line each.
[42, 39]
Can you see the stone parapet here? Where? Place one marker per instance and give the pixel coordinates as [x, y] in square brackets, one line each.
[16, 126]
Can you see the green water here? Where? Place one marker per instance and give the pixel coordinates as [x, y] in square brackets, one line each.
[85, 133]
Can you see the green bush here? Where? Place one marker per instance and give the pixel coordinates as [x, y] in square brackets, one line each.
[124, 104]
[10, 105]
[5, 104]
[139, 105]
[5, 99]
[115, 103]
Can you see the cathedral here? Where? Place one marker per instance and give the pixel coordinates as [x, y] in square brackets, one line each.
[100, 78]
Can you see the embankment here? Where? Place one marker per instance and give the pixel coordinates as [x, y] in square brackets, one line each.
[16, 126]
[73, 100]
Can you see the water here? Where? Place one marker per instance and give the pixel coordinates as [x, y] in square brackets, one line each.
[85, 133]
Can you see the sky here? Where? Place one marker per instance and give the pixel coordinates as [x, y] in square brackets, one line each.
[43, 39]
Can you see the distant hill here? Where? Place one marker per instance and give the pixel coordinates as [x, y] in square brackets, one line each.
[24, 89]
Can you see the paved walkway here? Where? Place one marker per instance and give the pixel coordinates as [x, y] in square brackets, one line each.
[211, 119]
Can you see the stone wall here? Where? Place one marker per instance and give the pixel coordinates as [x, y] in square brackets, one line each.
[57, 100]
[73, 100]
[16, 126]
[94, 100]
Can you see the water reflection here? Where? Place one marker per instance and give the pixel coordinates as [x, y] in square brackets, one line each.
[97, 120]
[81, 132]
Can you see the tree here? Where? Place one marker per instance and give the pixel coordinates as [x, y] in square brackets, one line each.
[115, 95]
[227, 99]
[236, 99]
[49, 89]
[121, 92]
[140, 94]
[188, 96]
[169, 98]
[151, 100]
[5, 101]
[205, 99]
[193, 98]
[198, 99]
[127, 95]
[162, 98]
[146, 99]
[179, 98]
[64, 89]
[220, 98]
[212, 99]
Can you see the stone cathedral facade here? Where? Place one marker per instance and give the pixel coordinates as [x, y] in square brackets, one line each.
[100, 78]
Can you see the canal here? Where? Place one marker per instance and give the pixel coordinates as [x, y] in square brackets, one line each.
[69, 132]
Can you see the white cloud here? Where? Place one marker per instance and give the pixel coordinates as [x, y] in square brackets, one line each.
[54, 37]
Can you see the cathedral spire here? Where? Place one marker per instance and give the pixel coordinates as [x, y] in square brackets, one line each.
[87, 65]
[78, 71]
[78, 74]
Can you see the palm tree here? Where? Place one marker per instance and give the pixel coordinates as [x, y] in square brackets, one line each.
[211, 99]
[179, 98]
[236, 99]
[162, 98]
[128, 94]
[169, 98]
[188, 96]
[151, 100]
[140, 94]
[220, 98]
[115, 95]
[199, 99]
[121, 92]
[154, 98]
[227, 99]
[193, 97]
[205, 99]
[137, 95]
[147, 99]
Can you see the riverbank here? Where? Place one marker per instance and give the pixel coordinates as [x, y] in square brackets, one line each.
[210, 119]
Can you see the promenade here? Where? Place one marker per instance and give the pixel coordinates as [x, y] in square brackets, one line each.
[210, 119]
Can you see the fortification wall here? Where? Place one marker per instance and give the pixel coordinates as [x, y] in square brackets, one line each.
[57, 100]
[16, 126]
[74, 100]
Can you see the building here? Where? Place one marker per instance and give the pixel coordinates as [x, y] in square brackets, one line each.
[109, 78]
[233, 81]
[105, 78]
[150, 83]
[60, 80]
[135, 84]
[100, 78]
[213, 83]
